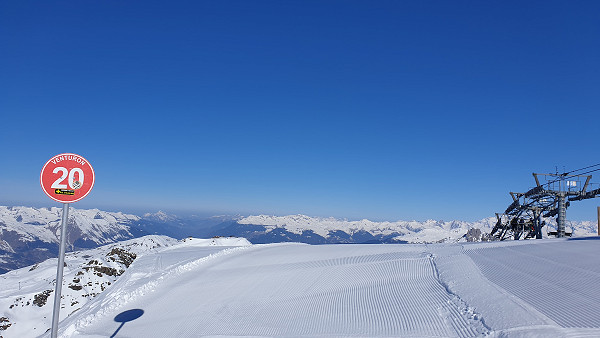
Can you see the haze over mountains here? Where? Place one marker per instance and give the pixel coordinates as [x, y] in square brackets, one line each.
[30, 235]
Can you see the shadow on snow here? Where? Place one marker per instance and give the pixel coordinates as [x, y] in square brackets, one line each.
[127, 316]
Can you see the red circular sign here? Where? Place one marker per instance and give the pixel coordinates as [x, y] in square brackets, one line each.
[67, 178]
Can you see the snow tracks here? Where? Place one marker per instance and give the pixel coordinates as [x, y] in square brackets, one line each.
[558, 278]
[302, 290]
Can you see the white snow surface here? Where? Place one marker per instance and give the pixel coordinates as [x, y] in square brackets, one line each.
[86, 275]
[536, 288]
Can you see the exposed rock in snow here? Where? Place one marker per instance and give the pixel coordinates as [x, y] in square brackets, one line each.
[26, 294]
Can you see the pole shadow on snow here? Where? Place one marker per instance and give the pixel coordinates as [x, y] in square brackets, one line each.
[127, 316]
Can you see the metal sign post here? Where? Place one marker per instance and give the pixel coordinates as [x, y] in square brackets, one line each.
[59, 270]
[65, 178]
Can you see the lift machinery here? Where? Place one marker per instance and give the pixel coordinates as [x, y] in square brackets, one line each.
[524, 217]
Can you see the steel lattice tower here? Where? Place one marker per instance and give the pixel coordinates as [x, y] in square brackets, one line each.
[523, 217]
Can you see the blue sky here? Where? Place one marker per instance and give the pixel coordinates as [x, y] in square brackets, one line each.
[384, 110]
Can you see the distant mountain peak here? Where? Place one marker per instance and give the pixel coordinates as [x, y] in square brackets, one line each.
[160, 216]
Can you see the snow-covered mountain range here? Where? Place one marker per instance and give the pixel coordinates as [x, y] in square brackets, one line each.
[30, 235]
[332, 230]
[315, 230]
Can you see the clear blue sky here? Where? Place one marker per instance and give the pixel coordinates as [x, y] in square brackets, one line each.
[383, 110]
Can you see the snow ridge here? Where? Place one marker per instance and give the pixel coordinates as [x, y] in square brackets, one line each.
[135, 286]
[27, 294]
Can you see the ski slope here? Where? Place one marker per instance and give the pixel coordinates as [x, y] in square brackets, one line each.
[533, 288]
[27, 294]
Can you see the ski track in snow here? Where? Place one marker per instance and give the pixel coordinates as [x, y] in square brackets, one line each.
[501, 289]
[473, 319]
[290, 290]
[562, 288]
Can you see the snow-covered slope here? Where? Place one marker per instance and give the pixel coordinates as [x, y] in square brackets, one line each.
[27, 294]
[539, 288]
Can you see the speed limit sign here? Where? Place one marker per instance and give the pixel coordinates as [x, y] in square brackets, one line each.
[67, 178]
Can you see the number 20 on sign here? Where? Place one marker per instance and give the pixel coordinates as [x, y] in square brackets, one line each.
[67, 178]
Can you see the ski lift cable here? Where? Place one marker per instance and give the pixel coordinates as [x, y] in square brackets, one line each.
[591, 171]
[566, 174]
[590, 166]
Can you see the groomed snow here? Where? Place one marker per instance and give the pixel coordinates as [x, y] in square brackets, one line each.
[533, 288]
[28, 313]
[20, 288]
